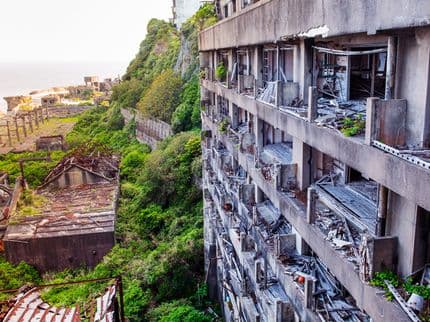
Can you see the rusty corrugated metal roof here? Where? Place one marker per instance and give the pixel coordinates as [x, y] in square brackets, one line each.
[29, 307]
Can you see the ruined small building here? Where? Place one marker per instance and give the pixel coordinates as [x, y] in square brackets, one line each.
[69, 221]
[92, 81]
[50, 100]
[316, 153]
[50, 143]
[15, 101]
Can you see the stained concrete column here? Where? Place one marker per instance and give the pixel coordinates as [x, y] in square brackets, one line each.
[302, 157]
[311, 205]
[391, 67]
[382, 210]
[305, 55]
[309, 292]
[234, 115]
[258, 66]
[370, 131]
[259, 128]
[259, 195]
[312, 103]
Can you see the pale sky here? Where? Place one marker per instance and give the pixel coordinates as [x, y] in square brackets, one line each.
[75, 30]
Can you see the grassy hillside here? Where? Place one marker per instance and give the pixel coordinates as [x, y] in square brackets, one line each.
[160, 223]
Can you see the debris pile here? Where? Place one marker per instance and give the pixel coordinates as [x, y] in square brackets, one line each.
[332, 112]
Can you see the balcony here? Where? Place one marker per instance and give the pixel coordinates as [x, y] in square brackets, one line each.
[293, 208]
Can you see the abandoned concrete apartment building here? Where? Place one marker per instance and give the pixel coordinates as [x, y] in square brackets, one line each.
[316, 156]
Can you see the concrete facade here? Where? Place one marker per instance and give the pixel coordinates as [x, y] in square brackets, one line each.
[316, 156]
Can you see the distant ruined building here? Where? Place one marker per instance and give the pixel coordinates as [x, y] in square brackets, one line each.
[316, 158]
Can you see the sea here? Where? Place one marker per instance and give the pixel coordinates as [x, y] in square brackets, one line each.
[20, 78]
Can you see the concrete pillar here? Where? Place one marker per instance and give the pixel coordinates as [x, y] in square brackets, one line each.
[258, 123]
[243, 242]
[312, 103]
[391, 67]
[311, 205]
[370, 131]
[302, 156]
[234, 115]
[309, 292]
[259, 195]
[305, 67]
[382, 210]
[258, 66]
[402, 223]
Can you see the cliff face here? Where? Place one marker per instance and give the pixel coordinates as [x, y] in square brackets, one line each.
[165, 55]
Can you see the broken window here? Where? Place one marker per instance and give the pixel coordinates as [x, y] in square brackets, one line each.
[286, 64]
[269, 64]
[351, 74]
[223, 106]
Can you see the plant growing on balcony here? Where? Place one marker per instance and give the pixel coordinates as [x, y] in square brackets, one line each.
[220, 72]
[352, 127]
[223, 125]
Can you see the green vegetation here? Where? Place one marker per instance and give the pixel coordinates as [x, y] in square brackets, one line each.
[220, 72]
[187, 116]
[160, 255]
[353, 127]
[157, 53]
[223, 125]
[29, 204]
[162, 97]
[35, 171]
[15, 276]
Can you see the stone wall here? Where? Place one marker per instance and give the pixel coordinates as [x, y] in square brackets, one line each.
[148, 131]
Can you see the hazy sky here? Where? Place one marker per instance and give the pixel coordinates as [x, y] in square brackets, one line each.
[75, 30]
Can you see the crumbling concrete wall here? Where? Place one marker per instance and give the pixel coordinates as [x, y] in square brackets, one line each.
[148, 131]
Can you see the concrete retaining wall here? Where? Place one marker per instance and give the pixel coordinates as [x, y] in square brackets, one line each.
[148, 131]
[67, 110]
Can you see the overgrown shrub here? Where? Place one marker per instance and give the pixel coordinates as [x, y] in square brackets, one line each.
[162, 97]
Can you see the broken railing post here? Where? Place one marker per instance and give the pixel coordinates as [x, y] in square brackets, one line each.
[30, 122]
[36, 121]
[23, 126]
[311, 205]
[243, 242]
[313, 103]
[310, 282]
[370, 133]
[16, 129]
[9, 137]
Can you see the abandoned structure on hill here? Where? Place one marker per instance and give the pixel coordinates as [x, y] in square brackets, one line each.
[316, 157]
[69, 221]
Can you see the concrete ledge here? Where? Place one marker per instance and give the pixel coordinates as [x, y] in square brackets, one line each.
[400, 176]
[270, 21]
